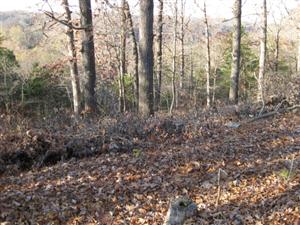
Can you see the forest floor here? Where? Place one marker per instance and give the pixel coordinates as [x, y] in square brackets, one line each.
[130, 169]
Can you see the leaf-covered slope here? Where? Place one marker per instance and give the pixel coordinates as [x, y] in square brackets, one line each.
[259, 166]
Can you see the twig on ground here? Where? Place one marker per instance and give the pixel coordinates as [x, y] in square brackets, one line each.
[219, 188]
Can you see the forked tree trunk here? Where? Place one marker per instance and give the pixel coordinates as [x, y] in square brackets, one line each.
[135, 55]
[208, 61]
[72, 60]
[159, 54]
[88, 55]
[173, 103]
[146, 58]
[236, 53]
[263, 53]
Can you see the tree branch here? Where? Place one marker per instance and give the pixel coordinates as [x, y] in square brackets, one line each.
[63, 22]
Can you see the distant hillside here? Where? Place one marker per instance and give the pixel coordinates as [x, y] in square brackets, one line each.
[24, 33]
[22, 18]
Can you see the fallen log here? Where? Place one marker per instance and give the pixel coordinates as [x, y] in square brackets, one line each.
[277, 111]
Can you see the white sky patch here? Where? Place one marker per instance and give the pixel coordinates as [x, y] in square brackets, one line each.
[215, 8]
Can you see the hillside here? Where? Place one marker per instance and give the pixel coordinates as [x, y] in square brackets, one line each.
[134, 174]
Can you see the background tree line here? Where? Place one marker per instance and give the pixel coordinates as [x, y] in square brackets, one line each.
[124, 57]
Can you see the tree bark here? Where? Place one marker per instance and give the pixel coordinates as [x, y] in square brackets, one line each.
[182, 58]
[208, 60]
[72, 60]
[88, 55]
[236, 53]
[214, 86]
[159, 54]
[135, 54]
[191, 80]
[122, 103]
[173, 103]
[263, 53]
[146, 58]
[277, 49]
[298, 55]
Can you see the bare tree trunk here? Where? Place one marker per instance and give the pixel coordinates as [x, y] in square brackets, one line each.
[135, 54]
[191, 82]
[236, 53]
[298, 56]
[277, 49]
[159, 54]
[146, 58]
[208, 61]
[88, 55]
[182, 58]
[214, 86]
[173, 103]
[122, 104]
[72, 60]
[263, 52]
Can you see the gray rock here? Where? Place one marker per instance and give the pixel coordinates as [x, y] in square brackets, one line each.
[180, 209]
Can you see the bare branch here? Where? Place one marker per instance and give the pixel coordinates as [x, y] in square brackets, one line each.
[61, 21]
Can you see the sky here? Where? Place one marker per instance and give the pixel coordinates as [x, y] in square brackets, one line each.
[215, 8]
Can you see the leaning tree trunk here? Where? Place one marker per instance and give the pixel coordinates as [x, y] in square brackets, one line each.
[263, 53]
[146, 58]
[88, 55]
[159, 54]
[174, 60]
[122, 103]
[72, 60]
[208, 60]
[135, 54]
[236, 53]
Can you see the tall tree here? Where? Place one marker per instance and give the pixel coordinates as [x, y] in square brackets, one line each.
[213, 97]
[135, 53]
[298, 54]
[191, 80]
[88, 55]
[263, 52]
[208, 58]
[122, 103]
[146, 58]
[159, 53]
[72, 59]
[173, 103]
[236, 53]
[278, 29]
[277, 49]
[182, 36]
